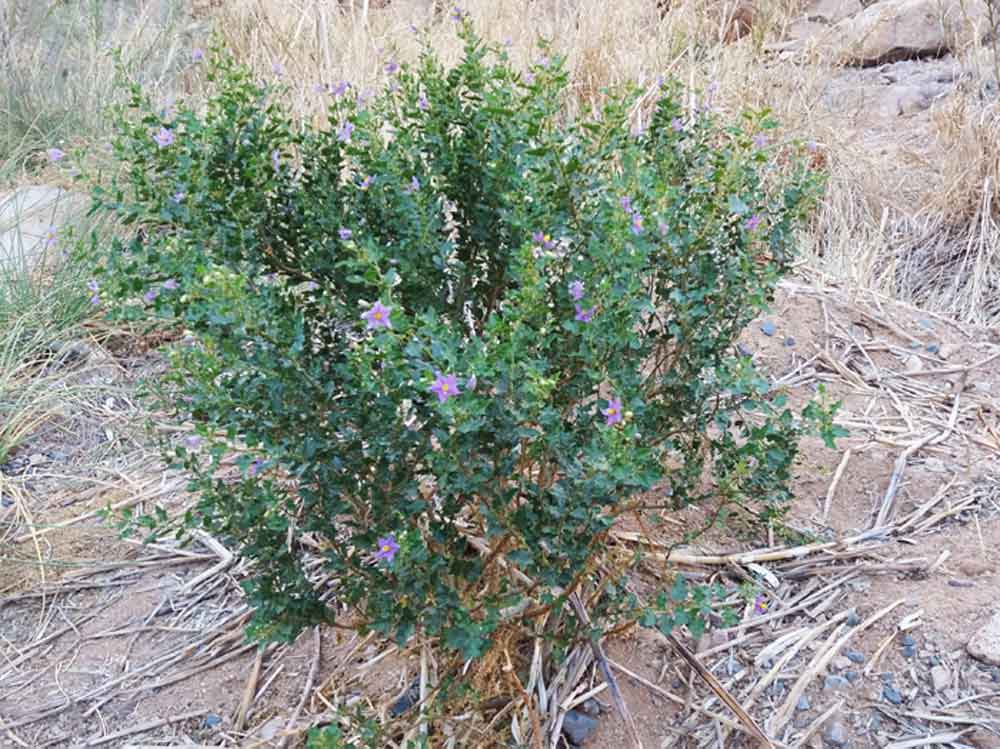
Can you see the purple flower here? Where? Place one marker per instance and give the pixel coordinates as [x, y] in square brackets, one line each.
[760, 605]
[576, 290]
[677, 125]
[164, 137]
[367, 182]
[150, 296]
[508, 42]
[457, 14]
[276, 160]
[170, 284]
[392, 67]
[255, 467]
[344, 233]
[663, 228]
[197, 54]
[270, 278]
[378, 316]
[613, 413]
[193, 441]
[178, 197]
[339, 90]
[310, 286]
[422, 104]
[55, 154]
[387, 548]
[50, 236]
[637, 223]
[363, 96]
[760, 140]
[95, 292]
[812, 146]
[584, 315]
[445, 386]
[470, 384]
[413, 186]
[318, 88]
[626, 203]
[543, 62]
[529, 78]
[537, 237]
[752, 223]
[344, 131]
[414, 29]
[278, 69]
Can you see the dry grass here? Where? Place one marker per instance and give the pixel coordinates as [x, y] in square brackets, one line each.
[909, 210]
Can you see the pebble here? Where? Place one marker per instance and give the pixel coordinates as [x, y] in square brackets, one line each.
[789, 341]
[835, 683]
[803, 703]
[940, 678]
[578, 726]
[995, 675]
[891, 694]
[855, 656]
[212, 720]
[932, 348]
[840, 662]
[853, 619]
[909, 651]
[835, 734]
[886, 677]
[908, 641]
[925, 323]
[852, 676]
[410, 698]
[591, 707]
[744, 350]
[768, 328]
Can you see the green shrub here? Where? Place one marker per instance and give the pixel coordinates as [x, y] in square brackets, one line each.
[455, 315]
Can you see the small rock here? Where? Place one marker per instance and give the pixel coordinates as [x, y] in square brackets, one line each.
[803, 703]
[410, 698]
[852, 676]
[961, 584]
[932, 348]
[840, 663]
[578, 726]
[212, 720]
[982, 739]
[789, 341]
[995, 675]
[855, 656]
[835, 683]
[933, 660]
[940, 678]
[909, 651]
[591, 707]
[891, 694]
[925, 323]
[853, 619]
[985, 644]
[768, 328]
[913, 364]
[908, 641]
[886, 677]
[744, 351]
[947, 350]
[835, 734]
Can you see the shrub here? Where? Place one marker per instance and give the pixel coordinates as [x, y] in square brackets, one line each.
[456, 333]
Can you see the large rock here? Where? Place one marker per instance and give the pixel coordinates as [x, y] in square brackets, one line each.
[26, 217]
[893, 30]
[985, 644]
